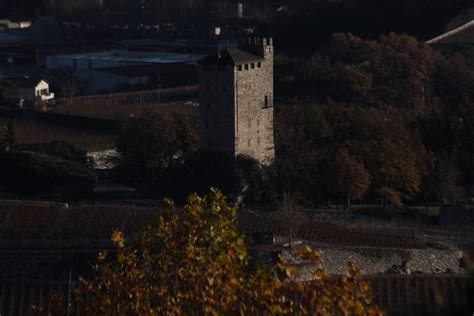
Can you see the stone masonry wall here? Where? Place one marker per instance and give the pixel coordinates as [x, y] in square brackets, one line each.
[254, 108]
[216, 123]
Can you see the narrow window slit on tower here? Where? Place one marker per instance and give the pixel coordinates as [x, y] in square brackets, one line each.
[259, 65]
[266, 101]
[252, 65]
[239, 67]
[246, 66]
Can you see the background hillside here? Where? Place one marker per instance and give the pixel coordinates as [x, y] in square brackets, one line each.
[291, 22]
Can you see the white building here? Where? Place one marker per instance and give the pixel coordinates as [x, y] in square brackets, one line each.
[26, 89]
[6, 24]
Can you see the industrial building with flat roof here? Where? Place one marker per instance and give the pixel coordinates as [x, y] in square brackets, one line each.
[117, 58]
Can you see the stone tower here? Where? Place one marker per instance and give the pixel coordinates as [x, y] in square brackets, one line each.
[236, 101]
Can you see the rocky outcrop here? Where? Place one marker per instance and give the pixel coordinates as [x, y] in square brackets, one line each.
[105, 159]
[400, 261]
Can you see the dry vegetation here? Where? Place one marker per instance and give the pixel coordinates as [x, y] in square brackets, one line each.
[91, 221]
[119, 111]
[29, 131]
[98, 221]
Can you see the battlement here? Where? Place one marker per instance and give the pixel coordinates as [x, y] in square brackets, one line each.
[259, 41]
[262, 46]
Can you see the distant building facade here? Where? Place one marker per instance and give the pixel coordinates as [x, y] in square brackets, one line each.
[146, 77]
[117, 58]
[236, 101]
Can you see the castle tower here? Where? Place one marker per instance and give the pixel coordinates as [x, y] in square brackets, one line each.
[236, 101]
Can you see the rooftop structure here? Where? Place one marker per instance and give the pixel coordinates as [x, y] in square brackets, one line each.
[150, 76]
[117, 58]
[207, 46]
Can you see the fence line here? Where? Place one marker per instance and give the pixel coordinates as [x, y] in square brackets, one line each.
[136, 97]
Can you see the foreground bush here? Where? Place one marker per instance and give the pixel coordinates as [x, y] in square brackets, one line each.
[196, 263]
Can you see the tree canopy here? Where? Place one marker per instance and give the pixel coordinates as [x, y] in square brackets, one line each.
[153, 141]
[338, 151]
[401, 110]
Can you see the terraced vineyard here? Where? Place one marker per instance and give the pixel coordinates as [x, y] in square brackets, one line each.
[331, 233]
[405, 295]
[91, 221]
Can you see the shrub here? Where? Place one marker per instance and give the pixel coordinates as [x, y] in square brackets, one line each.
[241, 177]
[196, 263]
[68, 151]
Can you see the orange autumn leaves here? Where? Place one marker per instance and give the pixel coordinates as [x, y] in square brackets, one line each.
[196, 263]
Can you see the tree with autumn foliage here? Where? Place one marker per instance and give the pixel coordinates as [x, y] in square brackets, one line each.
[195, 262]
[403, 110]
[347, 178]
[302, 135]
[447, 126]
[152, 142]
[382, 154]
[390, 72]
[392, 153]
[397, 66]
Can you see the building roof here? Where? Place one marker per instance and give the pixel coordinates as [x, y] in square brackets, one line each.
[461, 34]
[138, 57]
[231, 56]
[149, 70]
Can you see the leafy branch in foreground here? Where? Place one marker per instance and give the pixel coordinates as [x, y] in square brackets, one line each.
[195, 262]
